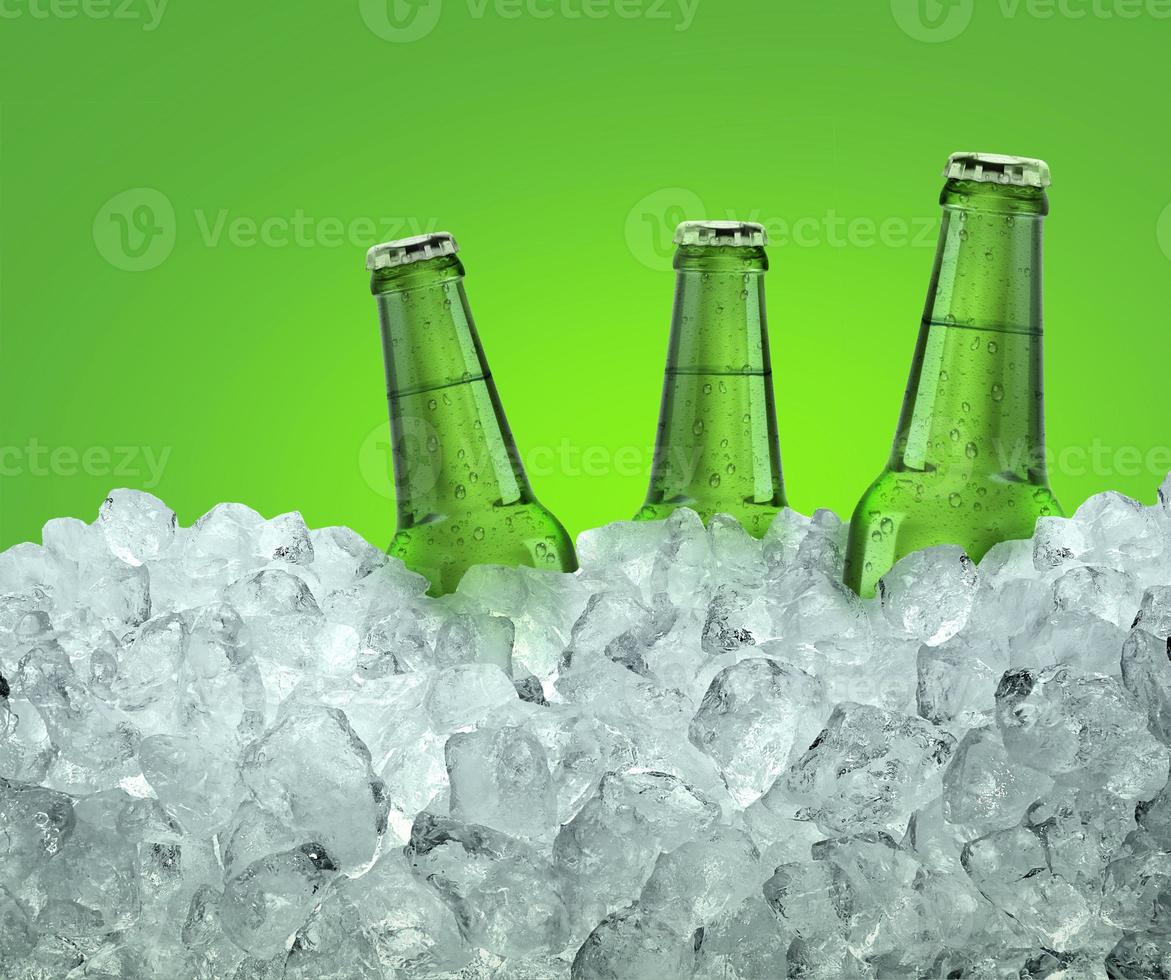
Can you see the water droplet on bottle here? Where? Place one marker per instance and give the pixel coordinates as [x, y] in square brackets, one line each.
[723, 388]
[949, 319]
[478, 534]
[975, 344]
[461, 454]
[432, 444]
[697, 428]
[541, 549]
[955, 435]
[944, 376]
[723, 443]
[1040, 495]
[707, 389]
[997, 392]
[473, 477]
[981, 491]
[993, 347]
[744, 294]
[432, 404]
[963, 234]
[714, 481]
[746, 419]
[731, 469]
[460, 491]
[965, 406]
[955, 500]
[446, 398]
[886, 525]
[971, 450]
[876, 536]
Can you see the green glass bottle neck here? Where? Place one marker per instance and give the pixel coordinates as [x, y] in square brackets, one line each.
[717, 446]
[451, 445]
[974, 399]
[719, 324]
[429, 336]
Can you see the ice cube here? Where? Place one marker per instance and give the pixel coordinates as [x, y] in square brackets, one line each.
[1010, 869]
[138, 527]
[199, 786]
[867, 770]
[332, 945]
[463, 696]
[607, 851]
[702, 879]
[752, 718]
[957, 681]
[929, 594]
[502, 890]
[500, 778]
[286, 539]
[265, 905]
[313, 771]
[413, 931]
[1075, 729]
[1146, 674]
[983, 789]
[636, 945]
[34, 824]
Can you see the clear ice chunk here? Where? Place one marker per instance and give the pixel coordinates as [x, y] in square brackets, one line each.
[867, 770]
[753, 716]
[269, 901]
[313, 771]
[500, 778]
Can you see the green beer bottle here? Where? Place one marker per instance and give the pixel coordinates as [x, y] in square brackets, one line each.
[968, 463]
[717, 450]
[462, 494]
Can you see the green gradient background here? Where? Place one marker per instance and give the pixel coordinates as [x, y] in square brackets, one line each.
[534, 139]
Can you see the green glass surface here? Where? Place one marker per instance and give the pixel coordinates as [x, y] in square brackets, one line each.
[968, 463]
[717, 450]
[462, 495]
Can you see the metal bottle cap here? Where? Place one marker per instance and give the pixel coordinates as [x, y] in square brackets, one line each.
[994, 168]
[741, 234]
[407, 250]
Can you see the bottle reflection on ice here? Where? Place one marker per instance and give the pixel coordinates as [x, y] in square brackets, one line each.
[717, 450]
[968, 464]
[462, 495]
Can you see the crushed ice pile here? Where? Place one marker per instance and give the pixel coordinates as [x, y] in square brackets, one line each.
[250, 750]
